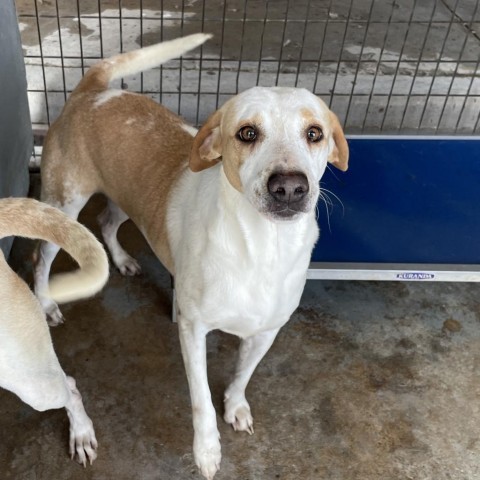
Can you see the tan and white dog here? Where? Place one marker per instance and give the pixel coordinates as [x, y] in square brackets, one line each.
[28, 364]
[229, 211]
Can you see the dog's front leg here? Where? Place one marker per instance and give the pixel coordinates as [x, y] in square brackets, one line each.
[206, 443]
[252, 350]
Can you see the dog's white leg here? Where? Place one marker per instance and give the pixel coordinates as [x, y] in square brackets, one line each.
[46, 387]
[252, 350]
[83, 442]
[46, 255]
[206, 443]
[110, 220]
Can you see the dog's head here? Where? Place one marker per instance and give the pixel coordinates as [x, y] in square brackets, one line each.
[274, 144]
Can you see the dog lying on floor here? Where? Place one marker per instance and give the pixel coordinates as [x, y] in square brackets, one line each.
[229, 211]
[28, 364]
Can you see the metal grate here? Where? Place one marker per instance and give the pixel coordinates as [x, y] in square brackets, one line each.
[384, 66]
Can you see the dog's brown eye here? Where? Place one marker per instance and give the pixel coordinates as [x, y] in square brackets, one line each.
[314, 134]
[247, 134]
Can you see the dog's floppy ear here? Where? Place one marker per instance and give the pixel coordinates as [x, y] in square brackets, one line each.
[207, 144]
[339, 154]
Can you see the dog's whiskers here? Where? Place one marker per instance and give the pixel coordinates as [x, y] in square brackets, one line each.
[329, 204]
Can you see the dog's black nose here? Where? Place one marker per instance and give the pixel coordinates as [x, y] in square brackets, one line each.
[288, 187]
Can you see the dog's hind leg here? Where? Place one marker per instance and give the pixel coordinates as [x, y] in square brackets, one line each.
[110, 220]
[46, 255]
[252, 350]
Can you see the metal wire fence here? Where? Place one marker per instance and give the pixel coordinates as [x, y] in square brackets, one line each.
[384, 66]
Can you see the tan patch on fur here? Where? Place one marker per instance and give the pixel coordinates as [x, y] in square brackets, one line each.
[233, 175]
[339, 156]
[206, 152]
[96, 78]
[240, 151]
[98, 150]
[311, 119]
[28, 218]
[209, 146]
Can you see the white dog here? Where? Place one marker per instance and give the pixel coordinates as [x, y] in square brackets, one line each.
[229, 211]
[28, 364]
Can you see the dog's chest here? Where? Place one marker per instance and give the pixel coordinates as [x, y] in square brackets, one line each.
[247, 282]
[258, 297]
[235, 270]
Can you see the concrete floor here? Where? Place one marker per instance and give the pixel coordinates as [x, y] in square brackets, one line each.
[368, 381]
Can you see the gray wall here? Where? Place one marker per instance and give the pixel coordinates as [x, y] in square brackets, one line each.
[16, 139]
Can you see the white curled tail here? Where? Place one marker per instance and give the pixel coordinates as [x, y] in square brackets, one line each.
[29, 218]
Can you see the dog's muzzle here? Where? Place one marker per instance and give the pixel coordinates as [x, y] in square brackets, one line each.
[288, 194]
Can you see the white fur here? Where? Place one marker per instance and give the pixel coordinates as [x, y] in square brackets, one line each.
[189, 129]
[253, 267]
[107, 95]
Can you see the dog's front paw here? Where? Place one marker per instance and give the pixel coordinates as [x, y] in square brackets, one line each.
[207, 454]
[238, 415]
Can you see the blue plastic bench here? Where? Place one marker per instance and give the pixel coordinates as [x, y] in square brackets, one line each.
[411, 211]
